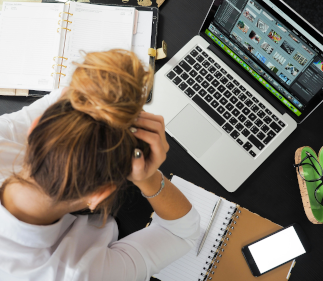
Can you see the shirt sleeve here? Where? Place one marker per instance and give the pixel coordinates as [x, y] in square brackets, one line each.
[145, 252]
[14, 126]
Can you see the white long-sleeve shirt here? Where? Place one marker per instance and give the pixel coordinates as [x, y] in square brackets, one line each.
[75, 248]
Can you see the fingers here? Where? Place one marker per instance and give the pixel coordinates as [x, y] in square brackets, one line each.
[153, 117]
[138, 166]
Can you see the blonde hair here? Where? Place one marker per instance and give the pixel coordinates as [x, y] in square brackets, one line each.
[82, 142]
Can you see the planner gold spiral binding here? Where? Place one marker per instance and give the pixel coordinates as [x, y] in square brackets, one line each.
[58, 73]
[60, 14]
[218, 247]
[68, 21]
[63, 28]
[59, 65]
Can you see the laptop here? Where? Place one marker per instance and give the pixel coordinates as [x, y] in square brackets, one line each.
[240, 87]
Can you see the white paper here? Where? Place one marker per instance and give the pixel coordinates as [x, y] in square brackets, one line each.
[191, 266]
[29, 41]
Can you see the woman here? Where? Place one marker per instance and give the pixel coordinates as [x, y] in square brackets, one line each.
[75, 150]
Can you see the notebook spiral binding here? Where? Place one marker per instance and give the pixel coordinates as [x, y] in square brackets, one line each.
[67, 21]
[218, 249]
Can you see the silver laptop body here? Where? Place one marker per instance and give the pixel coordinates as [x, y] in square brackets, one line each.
[213, 139]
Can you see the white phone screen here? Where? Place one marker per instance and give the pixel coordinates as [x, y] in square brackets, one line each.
[276, 249]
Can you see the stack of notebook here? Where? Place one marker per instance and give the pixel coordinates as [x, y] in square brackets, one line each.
[40, 41]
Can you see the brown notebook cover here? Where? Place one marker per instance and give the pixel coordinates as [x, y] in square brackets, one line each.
[248, 228]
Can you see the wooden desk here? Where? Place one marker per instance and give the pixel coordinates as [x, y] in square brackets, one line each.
[272, 191]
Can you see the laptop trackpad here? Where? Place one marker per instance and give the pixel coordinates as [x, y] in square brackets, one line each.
[191, 129]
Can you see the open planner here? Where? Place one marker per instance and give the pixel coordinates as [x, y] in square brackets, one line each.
[221, 257]
[40, 41]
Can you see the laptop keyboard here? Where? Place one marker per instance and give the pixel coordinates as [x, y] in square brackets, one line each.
[226, 101]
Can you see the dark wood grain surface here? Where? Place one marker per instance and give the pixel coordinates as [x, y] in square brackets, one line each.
[272, 191]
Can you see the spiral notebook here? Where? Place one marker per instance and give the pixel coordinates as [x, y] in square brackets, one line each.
[221, 257]
[39, 41]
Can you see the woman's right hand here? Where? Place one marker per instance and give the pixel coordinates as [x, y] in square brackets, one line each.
[151, 129]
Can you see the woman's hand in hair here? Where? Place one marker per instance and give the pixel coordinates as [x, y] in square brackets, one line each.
[151, 129]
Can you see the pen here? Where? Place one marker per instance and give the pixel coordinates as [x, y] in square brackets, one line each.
[215, 209]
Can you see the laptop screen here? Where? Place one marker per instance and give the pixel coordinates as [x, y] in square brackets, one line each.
[283, 57]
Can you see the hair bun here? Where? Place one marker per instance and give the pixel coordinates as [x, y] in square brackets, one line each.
[111, 87]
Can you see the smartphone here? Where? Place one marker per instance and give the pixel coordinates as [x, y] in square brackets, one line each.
[276, 249]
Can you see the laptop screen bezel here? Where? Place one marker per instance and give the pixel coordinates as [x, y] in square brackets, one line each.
[318, 98]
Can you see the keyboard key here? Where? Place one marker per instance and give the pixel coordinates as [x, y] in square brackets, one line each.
[177, 80]
[218, 75]
[214, 103]
[267, 120]
[257, 143]
[194, 53]
[227, 94]
[223, 71]
[252, 153]
[248, 94]
[223, 101]
[229, 106]
[208, 98]
[255, 108]
[212, 69]
[177, 69]
[224, 80]
[254, 129]
[234, 134]
[209, 111]
[247, 146]
[229, 77]
[206, 64]
[261, 114]
[233, 121]
[199, 58]
[202, 92]
[255, 100]
[183, 86]
[239, 141]
[236, 91]
[217, 65]
[265, 128]
[209, 77]
[189, 92]
[261, 135]
[248, 124]
[275, 118]
[242, 88]
[271, 134]
[261, 106]
[281, 123]
[185, 66]
[203, 72]
[235, 112]
[198, 48]
[246, 111]
[248, 102]
[199, 79]
[171, 75]
[242, 118]
[215, 83]
[217, 95]
[221, 88]
[226, 115]
[184, 76]
[211, 90]
[196, 87]
[239, 127]
[197, 66]
[252, 117]
[193, 73]
[205, 84]
[259, 123]
[220, 109]
[230, 86]
[228, 128]
[268, 111]
[205, 54]
[240, 105]
[235, 82]
[245, 132]
[267, 139]
[190, 81]
[233, 99]
[275, 127]
[211, 60]
[242, 97]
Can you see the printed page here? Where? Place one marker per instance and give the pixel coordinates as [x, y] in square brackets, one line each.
[142, 39]
[96, 28]
[34, 1]
[29, 41]
[191, 266]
